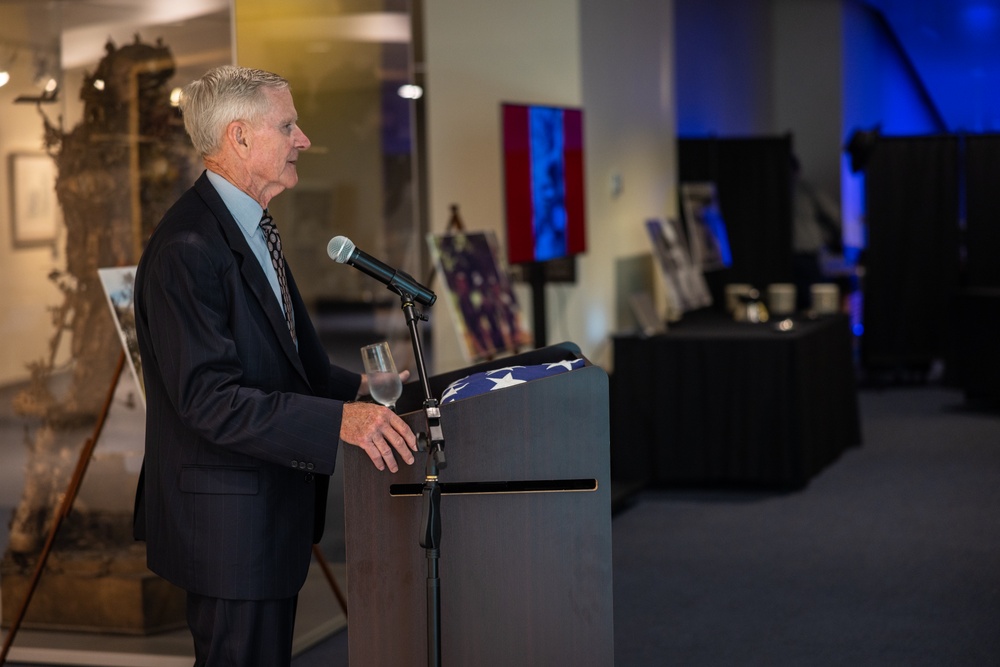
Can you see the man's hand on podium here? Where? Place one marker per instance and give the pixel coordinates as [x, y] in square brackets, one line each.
[378, 430]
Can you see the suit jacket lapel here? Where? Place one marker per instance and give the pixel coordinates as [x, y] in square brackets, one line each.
[250, 269]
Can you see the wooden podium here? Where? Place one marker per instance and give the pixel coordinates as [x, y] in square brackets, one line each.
[525, 564]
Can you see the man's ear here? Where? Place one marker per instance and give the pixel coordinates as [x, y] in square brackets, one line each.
[238, 136]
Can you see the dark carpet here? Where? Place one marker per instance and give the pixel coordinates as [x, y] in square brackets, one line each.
[891, 556]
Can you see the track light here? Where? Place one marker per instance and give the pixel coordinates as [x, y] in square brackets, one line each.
[5, 65]
[410, 91]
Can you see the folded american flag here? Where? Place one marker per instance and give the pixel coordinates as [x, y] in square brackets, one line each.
[500, 378]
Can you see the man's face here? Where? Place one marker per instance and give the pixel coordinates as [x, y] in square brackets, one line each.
[274, 149]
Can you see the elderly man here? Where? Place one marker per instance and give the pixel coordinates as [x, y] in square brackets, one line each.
[244, 409]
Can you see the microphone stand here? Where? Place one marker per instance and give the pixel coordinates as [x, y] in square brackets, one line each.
[433, 443]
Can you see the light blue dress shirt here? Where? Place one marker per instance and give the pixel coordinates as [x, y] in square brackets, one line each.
[248, 214]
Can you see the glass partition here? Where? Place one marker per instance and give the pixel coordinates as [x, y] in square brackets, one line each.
[94, 152]
[347, 62]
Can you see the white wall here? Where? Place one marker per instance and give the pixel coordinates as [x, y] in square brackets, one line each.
[27, 293]
[629, 100]
[610, 57]
[808, 84]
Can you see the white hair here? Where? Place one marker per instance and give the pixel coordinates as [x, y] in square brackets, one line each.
[222, 95]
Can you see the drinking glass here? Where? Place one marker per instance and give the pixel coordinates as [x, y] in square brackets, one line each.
[383, 380]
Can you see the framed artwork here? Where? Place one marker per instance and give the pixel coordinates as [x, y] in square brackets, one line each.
[34, 212]
[118, 283]
[705, 226]
[484, 308]
[686, 288]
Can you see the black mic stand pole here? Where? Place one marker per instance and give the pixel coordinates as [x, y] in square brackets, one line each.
[433, 443]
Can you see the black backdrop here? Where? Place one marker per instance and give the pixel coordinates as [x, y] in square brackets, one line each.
[974, 363]
[912, 259]
[982, 198]
[752, 179]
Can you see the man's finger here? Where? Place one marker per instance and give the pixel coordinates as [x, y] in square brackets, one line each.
[382, 452]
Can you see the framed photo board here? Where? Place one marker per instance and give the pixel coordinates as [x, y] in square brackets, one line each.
[484, 308]
[686, 288]
[705, 226]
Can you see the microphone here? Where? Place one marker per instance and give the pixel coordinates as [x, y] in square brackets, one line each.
[343, 251]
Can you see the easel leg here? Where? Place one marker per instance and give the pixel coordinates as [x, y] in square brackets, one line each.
[321, 559]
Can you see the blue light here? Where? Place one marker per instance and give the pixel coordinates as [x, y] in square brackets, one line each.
[979, 18]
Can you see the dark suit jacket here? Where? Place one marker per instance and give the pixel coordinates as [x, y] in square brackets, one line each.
[241, 430]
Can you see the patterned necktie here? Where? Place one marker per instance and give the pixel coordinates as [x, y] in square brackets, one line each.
[278, 262]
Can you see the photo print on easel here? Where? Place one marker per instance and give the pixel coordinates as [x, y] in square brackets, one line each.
[686, 288]
[484, 308]
[705, 226]
[118, 283]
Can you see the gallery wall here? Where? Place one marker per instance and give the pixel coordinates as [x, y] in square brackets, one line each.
[612, 59]
[808, 84]
[723, 67]
[25, 322]
[764, 68]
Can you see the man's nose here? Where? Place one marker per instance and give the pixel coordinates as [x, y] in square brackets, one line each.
[303, 142]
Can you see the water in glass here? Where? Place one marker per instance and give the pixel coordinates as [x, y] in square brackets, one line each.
[383, 380]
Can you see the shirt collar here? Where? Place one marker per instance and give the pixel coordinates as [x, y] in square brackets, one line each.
[244, 208]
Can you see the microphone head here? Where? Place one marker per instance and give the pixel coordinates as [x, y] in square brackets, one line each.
[340, 249]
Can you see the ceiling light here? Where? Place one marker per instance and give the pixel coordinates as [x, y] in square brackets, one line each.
[4, 77]
[410, 91]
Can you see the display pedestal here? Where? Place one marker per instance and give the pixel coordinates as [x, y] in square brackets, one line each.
[318, 617]
[93, 591]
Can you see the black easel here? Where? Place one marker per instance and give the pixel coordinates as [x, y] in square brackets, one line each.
[455, 226]
[536, 274]
[431, 441]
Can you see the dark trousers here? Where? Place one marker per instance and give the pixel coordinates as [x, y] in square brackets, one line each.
[241, 633]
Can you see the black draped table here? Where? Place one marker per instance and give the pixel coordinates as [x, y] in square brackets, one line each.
[714, 401]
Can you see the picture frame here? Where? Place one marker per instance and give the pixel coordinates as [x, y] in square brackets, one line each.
[34, 211]
[119, 283]
[706, 228]
[686, 289]
[487, 317]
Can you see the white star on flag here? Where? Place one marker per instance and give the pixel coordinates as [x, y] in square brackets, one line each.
[452, 391]
[506, 381]
[568, 364]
